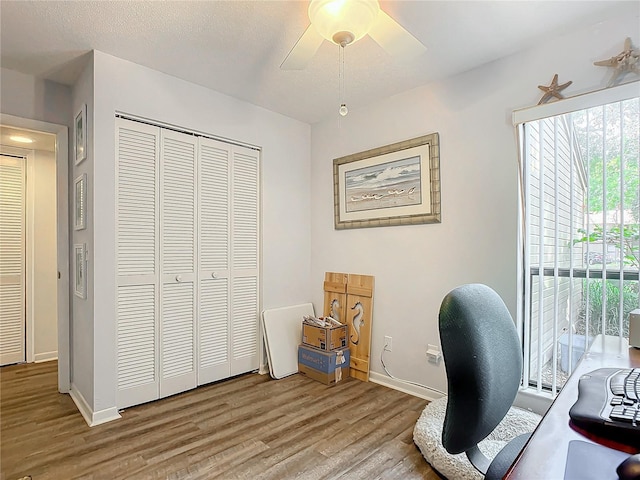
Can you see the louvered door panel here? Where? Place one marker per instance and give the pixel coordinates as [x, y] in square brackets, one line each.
[244, 260]
[178, 202]
[136, 190]
[245, 209]
[12, 260]
[137, 260]
[214, 206]
[244, 325]
[137, 344]
[177, 338]
[214, 224]
[213, 337]
[178, 247]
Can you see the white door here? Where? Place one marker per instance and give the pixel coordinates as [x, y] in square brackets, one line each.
[213, 318]
[245, 262]
[12, 260]
[137, 254]
[178, 262]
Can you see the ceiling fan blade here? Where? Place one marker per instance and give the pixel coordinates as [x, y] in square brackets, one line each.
[396, 41]
[304, 50]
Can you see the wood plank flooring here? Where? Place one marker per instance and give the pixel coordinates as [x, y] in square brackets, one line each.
[248, 427]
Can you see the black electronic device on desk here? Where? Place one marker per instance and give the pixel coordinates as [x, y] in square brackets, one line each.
[609, 403]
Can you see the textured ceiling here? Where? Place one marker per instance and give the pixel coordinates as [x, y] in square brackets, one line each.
[236, 47]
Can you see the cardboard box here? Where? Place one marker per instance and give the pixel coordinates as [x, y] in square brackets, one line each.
[327, 378]
[329, 338]
[324, 362]
[325, 367]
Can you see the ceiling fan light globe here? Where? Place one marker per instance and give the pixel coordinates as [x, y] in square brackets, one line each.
[355, 17]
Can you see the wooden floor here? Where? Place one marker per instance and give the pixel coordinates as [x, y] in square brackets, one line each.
[249, 427]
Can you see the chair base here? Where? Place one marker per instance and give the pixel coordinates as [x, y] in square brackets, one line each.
[505, 457]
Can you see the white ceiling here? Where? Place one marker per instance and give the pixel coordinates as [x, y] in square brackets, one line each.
[39, 140]
[236, 47]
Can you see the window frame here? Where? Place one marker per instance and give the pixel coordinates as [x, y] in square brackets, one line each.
[520, 117]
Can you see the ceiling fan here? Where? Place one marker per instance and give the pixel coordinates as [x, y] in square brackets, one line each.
[346, 21]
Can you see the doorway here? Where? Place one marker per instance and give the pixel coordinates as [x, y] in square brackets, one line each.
[44, 253]
[28, 266]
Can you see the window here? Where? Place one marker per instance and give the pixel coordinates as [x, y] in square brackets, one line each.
[580, 216]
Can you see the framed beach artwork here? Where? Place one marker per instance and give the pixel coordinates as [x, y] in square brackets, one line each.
[80, 134]
[398, 184]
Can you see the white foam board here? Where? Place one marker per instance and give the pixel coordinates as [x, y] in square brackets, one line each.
[282, 333]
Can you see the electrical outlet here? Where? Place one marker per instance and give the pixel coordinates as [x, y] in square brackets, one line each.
[433, 354]
[388, 343]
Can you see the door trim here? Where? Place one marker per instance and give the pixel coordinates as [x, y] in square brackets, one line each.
[62, 199]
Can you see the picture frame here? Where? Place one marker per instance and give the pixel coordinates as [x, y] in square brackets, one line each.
[80, 134]
[80, 270]
[80, 202]
[398, 184]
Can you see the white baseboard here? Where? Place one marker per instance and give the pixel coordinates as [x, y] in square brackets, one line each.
[403, 387]
[527, 399]
[104, 416]
[45, 356]
[92, 418]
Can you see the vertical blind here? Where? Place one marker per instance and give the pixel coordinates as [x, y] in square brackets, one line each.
[580, 243]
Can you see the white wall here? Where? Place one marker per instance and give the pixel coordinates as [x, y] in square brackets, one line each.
[415, 266]
[45, 261]
[30, 97]
[83, 331]
[122, 86]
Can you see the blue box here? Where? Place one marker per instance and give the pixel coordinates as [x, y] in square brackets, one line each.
[325, 362]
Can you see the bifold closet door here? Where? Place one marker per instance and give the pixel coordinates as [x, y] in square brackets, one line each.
[214, 293]
[155, 262]
[228, 260]
[137, 261]
[245, 260]
[187, 261]
[178, 252]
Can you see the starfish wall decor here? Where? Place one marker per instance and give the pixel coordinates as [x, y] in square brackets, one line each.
[553, 90]
[626, 61]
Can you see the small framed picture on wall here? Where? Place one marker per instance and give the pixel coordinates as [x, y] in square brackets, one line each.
[80, 134]
[80, 270]
[80, 202]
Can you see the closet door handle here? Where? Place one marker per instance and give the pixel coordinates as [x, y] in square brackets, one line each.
[214, 275]
[178, 278]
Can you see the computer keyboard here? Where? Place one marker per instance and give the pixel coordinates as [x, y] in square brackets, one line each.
[608, 402]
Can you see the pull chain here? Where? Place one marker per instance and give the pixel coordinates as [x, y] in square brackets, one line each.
[343, 110]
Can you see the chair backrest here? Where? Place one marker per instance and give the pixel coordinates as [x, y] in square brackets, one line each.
[483, 361]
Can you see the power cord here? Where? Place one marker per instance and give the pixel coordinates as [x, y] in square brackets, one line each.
[405, 381]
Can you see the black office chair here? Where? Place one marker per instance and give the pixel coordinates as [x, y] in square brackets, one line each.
[483, 361]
